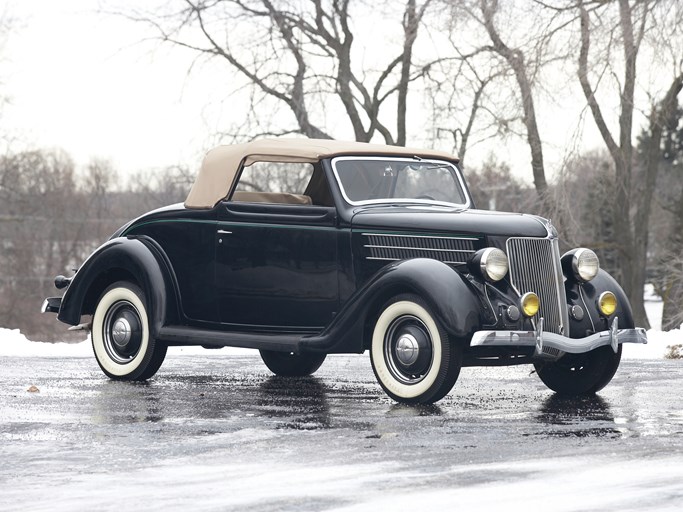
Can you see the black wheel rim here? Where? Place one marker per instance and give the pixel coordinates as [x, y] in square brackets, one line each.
[408, 349]
[122, 332]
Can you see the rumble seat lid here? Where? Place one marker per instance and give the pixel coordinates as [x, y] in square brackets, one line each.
[221, 165]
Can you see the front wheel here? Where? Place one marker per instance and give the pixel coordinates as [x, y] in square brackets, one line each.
[411, 355]
[580, 374]
[288, 364]
[121, 339]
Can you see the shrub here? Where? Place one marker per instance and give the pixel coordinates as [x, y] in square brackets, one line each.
[674, 351]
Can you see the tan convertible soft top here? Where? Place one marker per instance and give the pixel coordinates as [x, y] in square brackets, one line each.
[222, 164]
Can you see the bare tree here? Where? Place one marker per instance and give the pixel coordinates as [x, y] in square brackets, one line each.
[7, 26]
[52, 217]
[498, 60]
[667, 236]
[151, 189]
[515, 58]
[39, 231]
[632, 204]
[582, 204]
[494, 187]
[299, 54]
[459, 87]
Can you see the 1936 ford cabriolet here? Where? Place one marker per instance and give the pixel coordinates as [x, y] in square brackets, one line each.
[302, 248]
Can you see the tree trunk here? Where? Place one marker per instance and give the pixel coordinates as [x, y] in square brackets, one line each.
[659, 118]
[672, 314]
[631, 245]
[515, 59]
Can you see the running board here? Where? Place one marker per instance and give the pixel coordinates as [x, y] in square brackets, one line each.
[178, 335]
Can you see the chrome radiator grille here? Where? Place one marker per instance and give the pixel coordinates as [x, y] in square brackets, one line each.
[535, 267]
[395, 247]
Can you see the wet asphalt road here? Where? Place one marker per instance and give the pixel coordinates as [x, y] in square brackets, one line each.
[220, 433]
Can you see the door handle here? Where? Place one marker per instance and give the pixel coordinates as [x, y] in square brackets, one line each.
[221, 234]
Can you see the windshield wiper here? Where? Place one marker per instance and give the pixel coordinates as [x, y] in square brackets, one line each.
[438, 166]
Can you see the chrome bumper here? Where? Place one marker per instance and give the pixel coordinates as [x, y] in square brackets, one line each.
[51, 305]
[549, 344]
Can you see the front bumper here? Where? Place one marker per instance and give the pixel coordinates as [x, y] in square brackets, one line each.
[553, 346]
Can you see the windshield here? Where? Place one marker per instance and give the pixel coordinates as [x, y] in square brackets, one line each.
[366, 180]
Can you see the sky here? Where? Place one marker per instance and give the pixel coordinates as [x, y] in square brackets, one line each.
[93, 84]
[86, 81]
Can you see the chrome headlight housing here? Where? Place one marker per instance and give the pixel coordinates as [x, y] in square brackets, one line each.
[489, 263]
[580, 264]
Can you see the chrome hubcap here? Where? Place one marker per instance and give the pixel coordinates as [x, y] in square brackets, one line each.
[408, 349]
[122, 332]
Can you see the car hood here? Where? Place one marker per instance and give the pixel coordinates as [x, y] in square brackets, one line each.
[436, 220]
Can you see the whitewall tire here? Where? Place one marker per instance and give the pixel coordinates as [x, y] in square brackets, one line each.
[411, 355]
[121, 337]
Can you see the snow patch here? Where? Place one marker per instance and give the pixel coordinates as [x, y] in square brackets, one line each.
[13, 343]
[654, 307]
[657, 343]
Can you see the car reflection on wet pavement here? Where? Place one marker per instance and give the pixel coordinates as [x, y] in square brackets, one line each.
[221, 433]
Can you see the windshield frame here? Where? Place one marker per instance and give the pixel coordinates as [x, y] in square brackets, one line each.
[404, 200]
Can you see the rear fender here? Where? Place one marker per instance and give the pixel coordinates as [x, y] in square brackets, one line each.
[140, 259]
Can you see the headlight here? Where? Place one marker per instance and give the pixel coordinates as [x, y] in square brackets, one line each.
[581, 264]
[607, 303]
[530, 304]
[490, 263]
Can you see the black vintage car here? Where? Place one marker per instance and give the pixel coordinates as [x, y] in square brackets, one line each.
[302, 248]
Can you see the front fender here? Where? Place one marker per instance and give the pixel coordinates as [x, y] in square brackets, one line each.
[586, 296]
[446, 291]
[138, 258]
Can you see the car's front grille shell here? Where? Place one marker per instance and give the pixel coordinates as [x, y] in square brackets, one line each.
[535, 267]
[395, 247]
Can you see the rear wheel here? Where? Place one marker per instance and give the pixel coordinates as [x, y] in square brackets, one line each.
[580, 374]
[411, 355]
[288, 364]
[121, 339]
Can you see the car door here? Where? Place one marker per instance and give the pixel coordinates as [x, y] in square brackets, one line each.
[276, 265]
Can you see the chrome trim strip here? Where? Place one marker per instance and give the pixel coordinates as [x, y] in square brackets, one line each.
[401, 259]
[559, 283]
[471, 238]
[416, 248]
